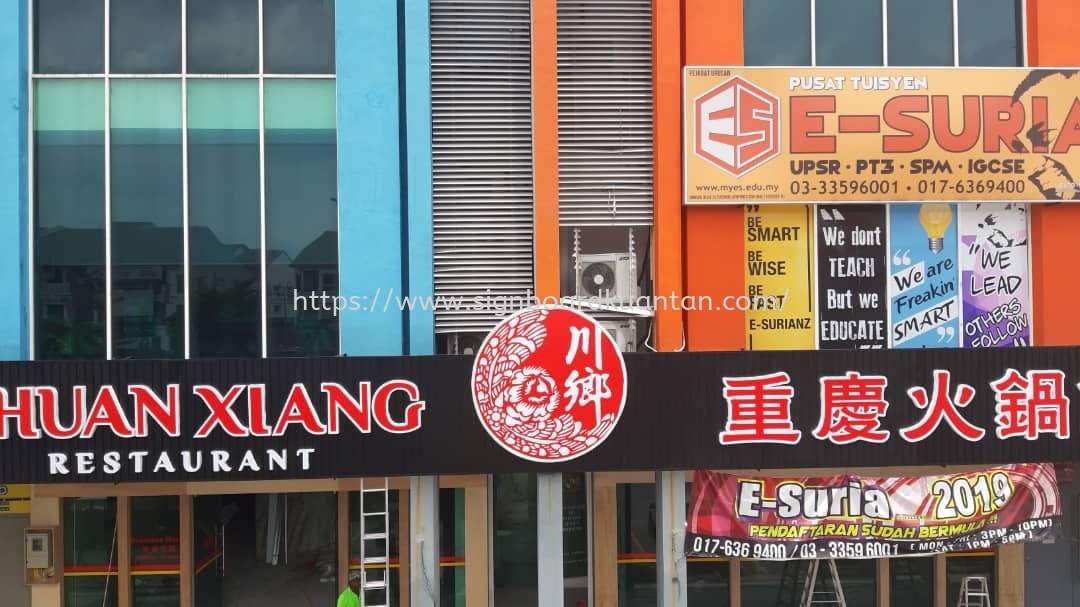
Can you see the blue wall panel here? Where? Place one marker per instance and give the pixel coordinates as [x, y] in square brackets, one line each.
[14, 203]
[417, 44]
[369, 176]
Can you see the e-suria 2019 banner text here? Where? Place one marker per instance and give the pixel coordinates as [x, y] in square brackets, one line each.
[852, 517]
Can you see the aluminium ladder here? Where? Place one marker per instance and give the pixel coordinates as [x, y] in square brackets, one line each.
[831, 596]
[974, 592]
[375, 542]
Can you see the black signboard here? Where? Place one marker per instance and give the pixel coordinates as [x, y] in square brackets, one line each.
[341, 417]
[853, 300]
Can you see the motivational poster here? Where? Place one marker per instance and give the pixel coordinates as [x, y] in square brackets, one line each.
[779, 246]
[924, 293]
[996, 291]
[853, 300]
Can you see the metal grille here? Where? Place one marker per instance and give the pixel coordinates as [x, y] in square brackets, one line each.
[482, 156]
[605, 113]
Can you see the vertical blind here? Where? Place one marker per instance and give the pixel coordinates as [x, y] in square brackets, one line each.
[482, 157]
[605, 113]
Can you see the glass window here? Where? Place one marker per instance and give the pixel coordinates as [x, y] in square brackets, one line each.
[848, 32]
[776, 32]
[298, 36]
[90, 552]
[69, 217]
[209, 520]
[301, 216]
[911, 581]
[636, 541]
[960, 566]
[222, 36]
[990, 33]
[782, 582]
[223, 209]
[144, 36]
[155, 551]
[358, 523]
[514, 541]
[69, 36]
[707, 579]
[147, 226]
[452, 545]
[575, 523]
[921, 33]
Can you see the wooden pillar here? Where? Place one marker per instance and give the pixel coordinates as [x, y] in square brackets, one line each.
[187, 561]
[1009, 576]
[883, 581]
[735, 582]
[123, 550]
[605, 543]
[941, 582]
[476, 546]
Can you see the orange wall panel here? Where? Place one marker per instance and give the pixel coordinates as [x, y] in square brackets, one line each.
[545, 137]
[715, 264]
[1055, 290]
[667, 171]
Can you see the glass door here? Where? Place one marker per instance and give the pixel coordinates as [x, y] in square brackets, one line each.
[267, 549]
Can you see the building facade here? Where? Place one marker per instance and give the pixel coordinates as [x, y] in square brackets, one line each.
[209, 165]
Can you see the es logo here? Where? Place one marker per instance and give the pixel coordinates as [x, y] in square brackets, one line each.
[737, 126]
[549, 384]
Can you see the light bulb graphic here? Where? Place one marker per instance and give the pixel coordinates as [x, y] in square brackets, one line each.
[935, 219]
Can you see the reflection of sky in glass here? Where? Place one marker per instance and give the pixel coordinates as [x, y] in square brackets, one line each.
[299, 36]
[777, 32]
[921, 33]
[144, 36]
[988, 31]
[69, 36]
[848, 32]
[223, 36]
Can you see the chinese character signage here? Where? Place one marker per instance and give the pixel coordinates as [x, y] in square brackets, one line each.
[755, 135]
[549, 384]
[547, 391]
[924, 276]
[852, 272]
[852, 517]
[779, 248]
[996, 287]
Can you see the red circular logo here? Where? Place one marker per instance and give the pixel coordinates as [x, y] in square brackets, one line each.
[549, 384]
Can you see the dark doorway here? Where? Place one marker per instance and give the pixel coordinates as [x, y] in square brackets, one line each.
[266, 550]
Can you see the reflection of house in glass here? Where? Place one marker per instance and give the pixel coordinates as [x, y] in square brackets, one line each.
[148, 293]
[298, 327]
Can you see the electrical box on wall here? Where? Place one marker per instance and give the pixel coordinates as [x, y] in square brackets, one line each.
[40, 548]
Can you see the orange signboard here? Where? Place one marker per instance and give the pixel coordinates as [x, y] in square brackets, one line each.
[806, 135]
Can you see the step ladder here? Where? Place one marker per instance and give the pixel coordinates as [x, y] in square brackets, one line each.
[974, 592]
[830, 596]
[375, 542]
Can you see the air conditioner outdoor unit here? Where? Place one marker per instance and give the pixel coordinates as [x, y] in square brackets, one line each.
[624, 332]
[464, 343]
[607, 278]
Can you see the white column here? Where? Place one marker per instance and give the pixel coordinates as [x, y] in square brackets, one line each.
[549, 539]
[424, 553]
[670, 535]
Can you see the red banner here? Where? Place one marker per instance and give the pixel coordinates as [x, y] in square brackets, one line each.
[849, 516]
